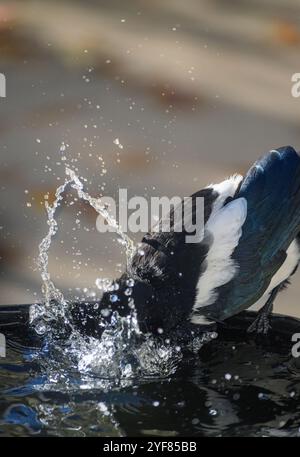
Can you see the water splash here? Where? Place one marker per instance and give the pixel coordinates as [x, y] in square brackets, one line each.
[122, 353]
[40, 315]
[55, 306]
[121, 357]
[102, 209]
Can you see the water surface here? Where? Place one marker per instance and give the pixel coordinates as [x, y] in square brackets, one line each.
[234, 386]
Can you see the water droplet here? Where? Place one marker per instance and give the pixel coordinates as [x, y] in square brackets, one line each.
[181, 404]
[103, 284]
[128, 292]
[130, 282]
[113, 298]
[40, 328]
[212, 412]
[105, 312]
[131, 303]
[263, 396]
[228, 376]
[156, 403]
[117, 143]
[102, 406]
[35, 312]
[127, 370]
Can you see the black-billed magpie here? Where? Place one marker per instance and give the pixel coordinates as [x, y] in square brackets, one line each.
[249, 250]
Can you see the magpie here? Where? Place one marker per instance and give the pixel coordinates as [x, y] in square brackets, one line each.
[249, 250]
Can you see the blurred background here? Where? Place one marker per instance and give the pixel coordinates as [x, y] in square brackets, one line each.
[193, 90]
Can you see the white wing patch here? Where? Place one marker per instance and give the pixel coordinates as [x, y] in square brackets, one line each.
[225, 228]
[225, 189]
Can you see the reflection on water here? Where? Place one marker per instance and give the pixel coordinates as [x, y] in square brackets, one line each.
[233, 386]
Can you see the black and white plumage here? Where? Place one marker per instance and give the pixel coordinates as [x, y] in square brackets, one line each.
[249, 250]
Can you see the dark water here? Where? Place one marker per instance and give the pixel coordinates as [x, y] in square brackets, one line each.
[236, 385]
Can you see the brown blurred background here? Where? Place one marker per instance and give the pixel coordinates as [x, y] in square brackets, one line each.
[194, 90]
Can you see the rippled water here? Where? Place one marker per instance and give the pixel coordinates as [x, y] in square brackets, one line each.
[233, 386]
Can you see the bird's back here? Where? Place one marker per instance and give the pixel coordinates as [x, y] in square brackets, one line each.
[272, 191]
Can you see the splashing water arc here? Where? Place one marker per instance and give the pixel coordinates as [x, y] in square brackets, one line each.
[50, 292]
[117, 354]
[122, 351]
